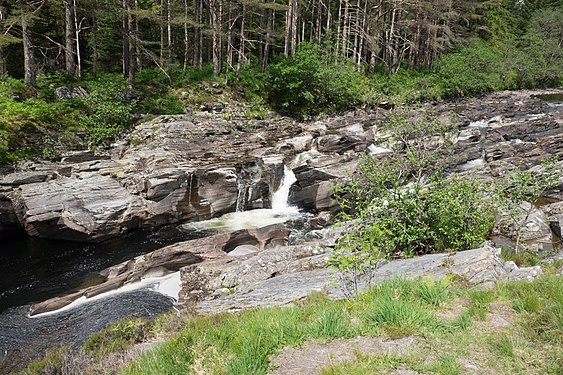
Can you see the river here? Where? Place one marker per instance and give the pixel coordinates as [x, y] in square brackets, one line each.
[34, 269]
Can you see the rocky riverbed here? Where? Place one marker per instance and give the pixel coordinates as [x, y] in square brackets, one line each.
[195, 167]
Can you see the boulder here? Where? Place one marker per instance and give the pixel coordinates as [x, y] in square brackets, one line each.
[68, 93]
[283, 276]
[93, 207]
[316, 180]
[9, 223]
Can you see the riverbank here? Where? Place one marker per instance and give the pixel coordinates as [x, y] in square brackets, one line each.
[398, 327]
[188, 168]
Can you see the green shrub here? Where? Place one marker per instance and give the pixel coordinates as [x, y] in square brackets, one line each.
[403, 206]
[108, 114]
[26, 126]
[118, 336]
[9, 86]
[541, 61]
[308, 83]
[448, 214]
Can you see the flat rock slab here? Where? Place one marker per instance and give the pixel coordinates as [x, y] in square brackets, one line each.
[482, 266]
[277, 291]
[314, 356]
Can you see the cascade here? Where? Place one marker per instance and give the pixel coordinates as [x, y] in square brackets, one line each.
[281, 196]
[241, 195]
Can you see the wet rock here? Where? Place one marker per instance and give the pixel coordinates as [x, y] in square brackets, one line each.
[213, 107]
[172, 258]
[336, 143]
[93, 207]
[9, 223]
[321, 220]
[22, 178]
[82, 156]
[316, 180]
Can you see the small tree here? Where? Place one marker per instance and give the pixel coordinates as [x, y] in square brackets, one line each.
[403, 206]
[521, 186]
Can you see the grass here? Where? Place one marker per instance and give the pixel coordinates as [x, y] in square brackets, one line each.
[244, 342]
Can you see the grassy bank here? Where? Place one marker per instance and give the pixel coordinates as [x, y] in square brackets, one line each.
[514, 328]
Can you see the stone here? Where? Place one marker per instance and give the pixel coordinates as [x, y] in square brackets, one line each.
[93, 207]
[321, 220]
[316, 180]
[9, 223]
[69, 93]
[281, 276]
[336, 143]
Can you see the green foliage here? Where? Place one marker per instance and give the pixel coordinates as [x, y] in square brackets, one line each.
[394, 209]
[448, 214]
[521, 186]
[521, 259]
[309, 83]
[408, 86]
[10, 86]
[475, 69]
[118, 336]
[331, 322]
[460, 214]
[25, 125]
[541, 61]
[109, 114]
[51, 363]
[158, 94]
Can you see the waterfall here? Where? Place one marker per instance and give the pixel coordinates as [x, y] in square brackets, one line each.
[280, 197]
[241, 196]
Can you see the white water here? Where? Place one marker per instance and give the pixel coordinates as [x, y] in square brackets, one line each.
[168, 285]
[279, 213]
[280, 197]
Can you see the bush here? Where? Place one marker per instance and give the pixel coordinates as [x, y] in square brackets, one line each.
[118, 336]
[476, 68]
[25, 127]
[541, 63]
[109, 113]
[308, 83]
[403, 206]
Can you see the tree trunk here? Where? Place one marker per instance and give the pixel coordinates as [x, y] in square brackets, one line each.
[186, 37]
[269, 26]
[77, 39]
[30, 70]
[132, 47]
[94, 45]
[70, 34]
[214, 6]
[363, 32]
[2, 54]
[231, 20]
[288, 19]
[338, 32]
[198, 53]
[295, 15]
[242, 40]
[169, 31]
[345, 29]
[162, 31]
[125, 61]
